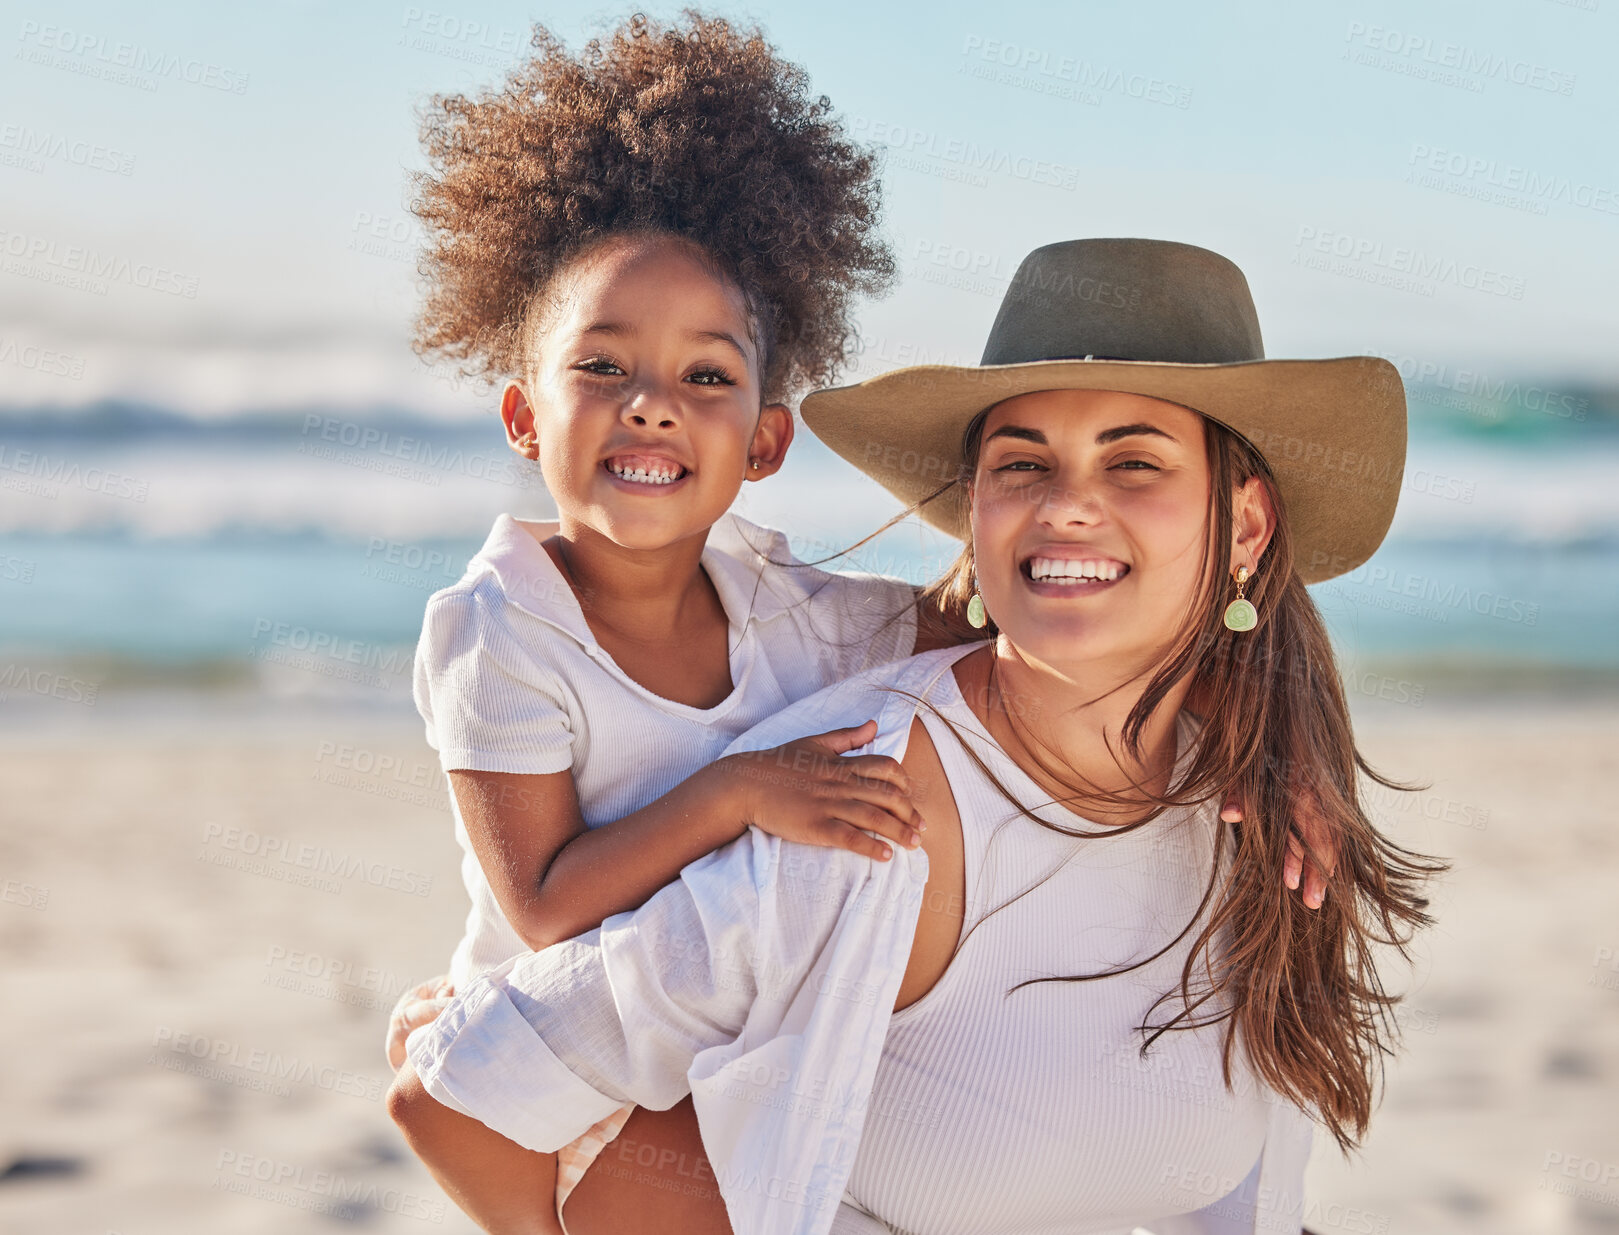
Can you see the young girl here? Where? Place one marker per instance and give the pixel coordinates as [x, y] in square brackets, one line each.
[660, 239]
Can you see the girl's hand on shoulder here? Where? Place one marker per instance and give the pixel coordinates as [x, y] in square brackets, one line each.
[808, 791]
[1300, 868]
[418, 1006]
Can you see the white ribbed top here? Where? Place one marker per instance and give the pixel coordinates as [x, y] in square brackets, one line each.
[1033, 1113]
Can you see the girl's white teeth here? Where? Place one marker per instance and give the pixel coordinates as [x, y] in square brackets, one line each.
[645, 476]
[1060, 569]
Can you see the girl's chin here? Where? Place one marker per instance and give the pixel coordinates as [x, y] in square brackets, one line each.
[655, 528]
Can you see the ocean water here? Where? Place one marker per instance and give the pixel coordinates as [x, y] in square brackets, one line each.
[295, 551]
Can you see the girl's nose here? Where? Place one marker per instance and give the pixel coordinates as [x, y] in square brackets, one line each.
[651, 405]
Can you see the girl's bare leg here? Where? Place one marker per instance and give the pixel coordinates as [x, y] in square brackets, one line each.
[654, 1176]
[504, 1188]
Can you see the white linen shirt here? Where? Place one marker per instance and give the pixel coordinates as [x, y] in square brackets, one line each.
[509, 678]
[762, 981]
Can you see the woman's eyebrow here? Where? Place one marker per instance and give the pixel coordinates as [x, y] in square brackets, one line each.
[1019, 432]
[1024, 434]
[1113, 435]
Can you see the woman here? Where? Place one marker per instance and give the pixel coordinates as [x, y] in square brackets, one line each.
[1085, 1004]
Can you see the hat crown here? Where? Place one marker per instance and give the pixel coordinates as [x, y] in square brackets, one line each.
[1126, 299]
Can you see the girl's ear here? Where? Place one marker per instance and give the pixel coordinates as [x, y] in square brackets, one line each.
[516, 413]
[771, 437]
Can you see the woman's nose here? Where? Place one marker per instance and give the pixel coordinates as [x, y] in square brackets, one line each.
[1067, 500]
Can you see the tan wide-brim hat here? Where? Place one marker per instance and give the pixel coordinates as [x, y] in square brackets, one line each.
[1148, 317]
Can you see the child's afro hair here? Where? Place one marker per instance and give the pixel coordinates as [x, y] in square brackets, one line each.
[695, 129]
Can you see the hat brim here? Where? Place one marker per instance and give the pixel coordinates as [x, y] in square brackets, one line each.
[1332, 431]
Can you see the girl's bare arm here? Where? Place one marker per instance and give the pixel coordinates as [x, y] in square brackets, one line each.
[554, 878]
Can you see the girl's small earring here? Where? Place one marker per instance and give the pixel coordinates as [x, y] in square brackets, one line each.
[976, 617]
[754, 463]
[1240, 614]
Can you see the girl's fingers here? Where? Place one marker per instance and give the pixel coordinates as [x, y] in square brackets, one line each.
[885, 797]
[837, 741]
[1231, 812]
[876, 819]
[876, 768]
[424, 1011]
[1293, 866]
[844, 835]
[429, 989]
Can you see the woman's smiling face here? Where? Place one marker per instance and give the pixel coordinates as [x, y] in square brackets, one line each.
[1089, 514]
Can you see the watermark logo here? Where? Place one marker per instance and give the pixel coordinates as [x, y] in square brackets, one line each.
[303, 863]
[1586, 1179]
[1398, 267]
[23, 680]
[32, 358]
[456, 38]
[81, 268]
[372, 448]
[1497, 183]
[24, 895]
[1447, 63]
[1041, 70]
[35, 473]
[318, 1190]
[332, 978]
[1605, 969]
[30, 149]
[254, 1067]
[328, 654]
[1479, 393]
[120, 62]
[955, 158]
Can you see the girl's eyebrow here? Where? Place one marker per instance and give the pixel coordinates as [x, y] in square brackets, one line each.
[720, 336]
[1024, 434]
[624, 329]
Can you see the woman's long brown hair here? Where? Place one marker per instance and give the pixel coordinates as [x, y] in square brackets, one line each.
[1300, 986]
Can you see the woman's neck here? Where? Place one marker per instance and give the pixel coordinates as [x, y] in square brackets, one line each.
[1056, 724]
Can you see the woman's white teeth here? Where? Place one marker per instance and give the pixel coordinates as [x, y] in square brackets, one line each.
[661, 475]
[1060, 570]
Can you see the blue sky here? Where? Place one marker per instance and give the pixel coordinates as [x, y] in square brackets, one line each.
[1436, 182]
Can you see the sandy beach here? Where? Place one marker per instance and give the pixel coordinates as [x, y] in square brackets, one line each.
[210, 903]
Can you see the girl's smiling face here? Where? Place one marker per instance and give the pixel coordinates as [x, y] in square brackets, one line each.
[1089, 515]
[644, 395]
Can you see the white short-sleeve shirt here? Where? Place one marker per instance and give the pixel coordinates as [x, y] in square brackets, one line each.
[509, 678]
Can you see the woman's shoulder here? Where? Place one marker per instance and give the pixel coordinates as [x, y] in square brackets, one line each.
[886, 693]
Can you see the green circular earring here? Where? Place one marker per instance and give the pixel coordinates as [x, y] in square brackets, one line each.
[1240, 614]
[977, 618]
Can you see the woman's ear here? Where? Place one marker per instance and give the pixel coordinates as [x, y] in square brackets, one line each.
[1253, 520]
[517, 414]
[771, 437]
